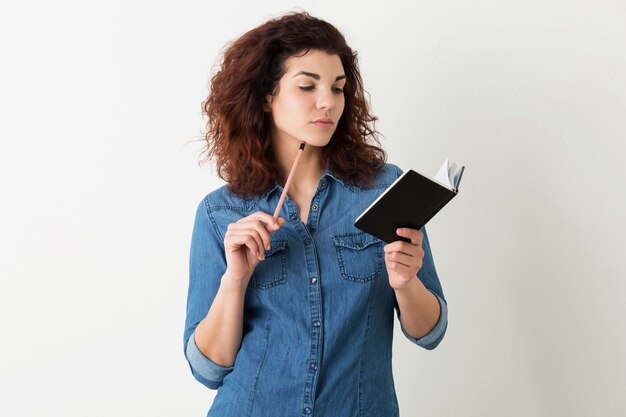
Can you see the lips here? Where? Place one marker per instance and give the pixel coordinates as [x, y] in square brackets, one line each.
[324, 123]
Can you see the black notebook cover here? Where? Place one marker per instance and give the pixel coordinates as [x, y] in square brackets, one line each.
[411, 201]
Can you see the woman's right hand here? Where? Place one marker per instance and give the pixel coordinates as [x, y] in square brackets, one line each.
[245, 243]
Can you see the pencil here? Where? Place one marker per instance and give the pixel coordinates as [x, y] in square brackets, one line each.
[289, 178]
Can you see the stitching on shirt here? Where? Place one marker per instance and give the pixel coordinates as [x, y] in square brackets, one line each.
[369, 247]
[212, 208]
[240, 207]
[361, 354]
[262, 362]
[279, 248]
[209, 213]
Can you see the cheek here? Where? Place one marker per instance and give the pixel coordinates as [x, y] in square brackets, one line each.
[282, 111]
[291, 106]
[297, 102]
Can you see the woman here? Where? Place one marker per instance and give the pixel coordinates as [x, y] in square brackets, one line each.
[294, 315]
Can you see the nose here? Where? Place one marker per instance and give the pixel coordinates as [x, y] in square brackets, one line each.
[326, 100]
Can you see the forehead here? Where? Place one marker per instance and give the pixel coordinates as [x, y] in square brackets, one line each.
[315, 61]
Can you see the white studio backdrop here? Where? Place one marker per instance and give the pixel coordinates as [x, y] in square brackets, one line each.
[100, 103]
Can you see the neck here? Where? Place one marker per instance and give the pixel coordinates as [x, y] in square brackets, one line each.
[308, 172]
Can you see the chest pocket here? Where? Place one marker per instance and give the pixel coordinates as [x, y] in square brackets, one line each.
[360, 256]
[272, 270]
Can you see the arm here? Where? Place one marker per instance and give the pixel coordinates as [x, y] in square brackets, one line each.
[218, 278]
[218, 336]
[422, 309]
[419, 309]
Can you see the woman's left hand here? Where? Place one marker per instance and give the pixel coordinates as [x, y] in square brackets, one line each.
[404, 259]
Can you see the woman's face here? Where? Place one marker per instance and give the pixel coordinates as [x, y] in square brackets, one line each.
[310, 99]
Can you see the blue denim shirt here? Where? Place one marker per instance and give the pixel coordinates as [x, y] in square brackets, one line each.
[318, 311]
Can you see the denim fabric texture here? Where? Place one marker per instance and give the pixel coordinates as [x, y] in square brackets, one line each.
[318, 313]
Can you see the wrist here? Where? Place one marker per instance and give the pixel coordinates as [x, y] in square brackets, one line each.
[234, 284]
[410, 286]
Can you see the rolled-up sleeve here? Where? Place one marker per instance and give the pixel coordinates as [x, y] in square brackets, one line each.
[204, 369]
[428, 275]
[434, 337]
[207, 264]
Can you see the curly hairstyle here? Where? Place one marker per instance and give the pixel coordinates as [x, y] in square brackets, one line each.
[238, 130]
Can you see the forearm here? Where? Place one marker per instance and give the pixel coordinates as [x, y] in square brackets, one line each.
[218, 335]
[419, 309]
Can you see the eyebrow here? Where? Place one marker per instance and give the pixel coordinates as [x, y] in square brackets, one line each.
[316, 76]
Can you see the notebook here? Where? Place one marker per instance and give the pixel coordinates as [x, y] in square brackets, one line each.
[411, 201]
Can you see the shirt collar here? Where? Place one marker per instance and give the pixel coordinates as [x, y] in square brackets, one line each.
[327, 174]
[266, 195]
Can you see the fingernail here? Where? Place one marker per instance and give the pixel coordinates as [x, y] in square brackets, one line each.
[275, 226]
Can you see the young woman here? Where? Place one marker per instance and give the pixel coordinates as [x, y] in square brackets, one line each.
[294, 316]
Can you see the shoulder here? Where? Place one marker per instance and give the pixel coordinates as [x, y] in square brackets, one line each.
[220, 207]
[385, 176]
[223, 199]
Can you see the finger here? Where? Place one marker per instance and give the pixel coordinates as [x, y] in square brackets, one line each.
[266, 218]
[401, 268]
[247, 240]
[413, 234]
[393, 246]
[246, 228]
[281, 221]
[401, 246]
[259, 241]
[403, 259]
[254, 227]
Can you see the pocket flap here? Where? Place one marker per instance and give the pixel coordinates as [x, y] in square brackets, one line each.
[275, 246]
[355, 241]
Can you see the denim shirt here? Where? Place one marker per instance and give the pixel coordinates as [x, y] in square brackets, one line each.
[318, 311]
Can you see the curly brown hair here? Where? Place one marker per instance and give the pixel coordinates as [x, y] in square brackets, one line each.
[238, 130]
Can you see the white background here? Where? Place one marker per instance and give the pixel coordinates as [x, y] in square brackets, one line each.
[99, 181]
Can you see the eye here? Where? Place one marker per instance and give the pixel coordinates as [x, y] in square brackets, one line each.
[338, 90]
[306, 87]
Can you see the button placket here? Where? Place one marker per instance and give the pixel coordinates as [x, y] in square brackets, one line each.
[315, 307]
[315, 207]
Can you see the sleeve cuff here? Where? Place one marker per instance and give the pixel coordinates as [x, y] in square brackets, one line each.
[209, 373]
[434, 337]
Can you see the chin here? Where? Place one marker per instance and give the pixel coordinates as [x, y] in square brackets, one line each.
[317, 141]
[316, 144]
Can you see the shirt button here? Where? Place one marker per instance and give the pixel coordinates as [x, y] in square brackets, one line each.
[313, 366]
[314, 207]
[293, 217]
[307, 242]
[317, 323]
[313, 280]
[322, 184]
[307, 410]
